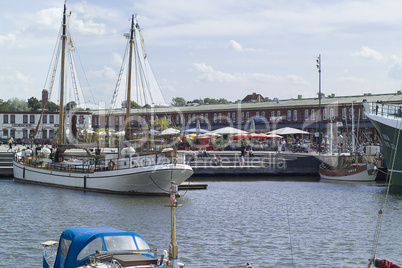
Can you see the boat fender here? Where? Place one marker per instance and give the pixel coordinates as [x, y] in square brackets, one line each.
[111, 165]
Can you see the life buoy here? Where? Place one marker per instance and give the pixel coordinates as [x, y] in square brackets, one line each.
[111, 165]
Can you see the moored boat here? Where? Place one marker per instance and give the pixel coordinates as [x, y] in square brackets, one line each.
[141, 167]
[353, 173]
[106, 247]
[387, 120]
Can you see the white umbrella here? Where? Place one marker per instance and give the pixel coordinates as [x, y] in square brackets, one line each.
[170, 131]
[288, 131]
[229, 131]
[198, 128]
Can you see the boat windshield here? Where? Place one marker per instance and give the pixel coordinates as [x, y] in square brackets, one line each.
[122, 242]
[91, 248]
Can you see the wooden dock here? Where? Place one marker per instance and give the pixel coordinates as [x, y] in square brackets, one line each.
[192, 186]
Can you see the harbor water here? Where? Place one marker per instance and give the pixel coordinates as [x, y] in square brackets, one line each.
[268, 223]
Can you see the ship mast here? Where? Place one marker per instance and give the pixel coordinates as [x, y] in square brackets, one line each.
[130, 60]
[63, 52]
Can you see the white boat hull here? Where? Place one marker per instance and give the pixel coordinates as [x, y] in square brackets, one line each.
[144, 180]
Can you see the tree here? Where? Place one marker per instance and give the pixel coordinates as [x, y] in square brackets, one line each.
[161, 123]
[70, 106]
[147, 106]
[17, 105]
[178, 101]
[3, 105]
[134, 105]
[52, 107]
[34, 104]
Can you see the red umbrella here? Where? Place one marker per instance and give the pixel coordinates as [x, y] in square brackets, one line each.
[241, 136]
[259, 136]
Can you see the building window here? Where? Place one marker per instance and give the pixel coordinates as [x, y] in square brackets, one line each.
[312, 115]
[295, 115]
[331, 114]
[273, 114]
[278, 113]
[51, 119]
[116, 119]
[220, 118]
[25, 119]
[257, 114]
[32, 119]
[107, 121]
[177, 119]
[44, 134]
[234, 117]
[289, 117]
[189, 119]
[25, 134]
[5, 118]
[351, 112]
[242, 117]
[81, 119]
[305, 114]
[95, 121]
[214, 117]
[228, 118]
[324, 114]
[12, 133]
[343, 113]
[51, 133]
[12, 119]
[206, 118]
[247, 116]
[44, 119]
[262, 114]
[5, 133]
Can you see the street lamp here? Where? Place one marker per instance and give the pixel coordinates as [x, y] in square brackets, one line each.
[319, 101]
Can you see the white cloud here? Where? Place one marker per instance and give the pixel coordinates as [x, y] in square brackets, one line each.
[238, 47]
[7, 40]
[351, 79]
[368, 53]
[107, 73]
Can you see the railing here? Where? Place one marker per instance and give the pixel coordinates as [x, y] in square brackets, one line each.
[91, 165]
[386, 110]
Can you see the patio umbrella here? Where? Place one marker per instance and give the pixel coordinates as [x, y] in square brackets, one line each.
[288, 131]
[241, 136]
[194, 131]
[259, 136]
[228, 131]
[170, 131]
[273, 135]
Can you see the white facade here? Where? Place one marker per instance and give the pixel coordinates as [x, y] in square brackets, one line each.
[20, 125]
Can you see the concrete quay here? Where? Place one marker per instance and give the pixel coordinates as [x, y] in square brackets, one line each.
[262, 163]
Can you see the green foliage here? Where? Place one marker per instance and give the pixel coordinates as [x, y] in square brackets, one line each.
[147, 106]
[17, 105]
[3, 105]
[134, 105]
[178, 101]
[52, 107]
[34, 104]
[70, 106]
[161, 123]
[215, 101]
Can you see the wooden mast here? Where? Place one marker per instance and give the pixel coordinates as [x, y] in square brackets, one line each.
[130, 60]
[63, 52]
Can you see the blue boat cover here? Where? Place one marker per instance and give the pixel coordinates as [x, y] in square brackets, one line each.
[74, 240]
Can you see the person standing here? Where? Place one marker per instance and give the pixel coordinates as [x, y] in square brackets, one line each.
[10, 144]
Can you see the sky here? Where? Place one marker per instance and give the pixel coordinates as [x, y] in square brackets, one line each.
[209, 48]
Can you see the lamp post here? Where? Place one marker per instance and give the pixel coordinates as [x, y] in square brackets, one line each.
[319, 101]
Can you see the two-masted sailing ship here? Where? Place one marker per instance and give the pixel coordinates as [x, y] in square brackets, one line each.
[142, 167]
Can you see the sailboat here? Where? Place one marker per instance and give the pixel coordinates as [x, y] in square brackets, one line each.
[349, 167]
[387, 120]
[90, 168]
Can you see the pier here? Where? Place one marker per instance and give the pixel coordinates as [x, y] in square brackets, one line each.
[261, 163]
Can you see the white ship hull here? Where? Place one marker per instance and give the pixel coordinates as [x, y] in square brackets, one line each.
[144, 180]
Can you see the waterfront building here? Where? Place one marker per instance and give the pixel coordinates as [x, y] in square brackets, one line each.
[268, 115]
[22, 125]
